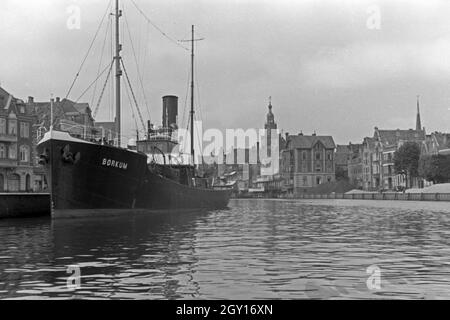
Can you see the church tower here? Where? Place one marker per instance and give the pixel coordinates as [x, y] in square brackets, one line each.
[418, 123]
[270, 124]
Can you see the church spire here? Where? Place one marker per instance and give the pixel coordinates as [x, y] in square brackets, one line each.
[270, 124]
[418, 123]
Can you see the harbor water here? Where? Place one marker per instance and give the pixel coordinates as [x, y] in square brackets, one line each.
[256, 249]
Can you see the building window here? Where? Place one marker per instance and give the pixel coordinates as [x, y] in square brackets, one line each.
[304, 155]
[12, 127]
[305, 181]
[13, 151]
[318, 155]
[329, 156]
[24, 154]
[2, 126]
[2, 151]
[318, 167]
[24, 130]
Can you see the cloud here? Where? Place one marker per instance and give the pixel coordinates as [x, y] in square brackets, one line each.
[366, 64]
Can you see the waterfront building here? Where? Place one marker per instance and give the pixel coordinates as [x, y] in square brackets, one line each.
[355, 165]
[16, 145]
[370, 165]
[342, 156]
[307, 161]
[387, 142]
[436, 143]
[269, 185]
[238, 167]
[68, 115]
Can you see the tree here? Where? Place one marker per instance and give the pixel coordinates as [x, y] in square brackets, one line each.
[435, 168]
[406, 160]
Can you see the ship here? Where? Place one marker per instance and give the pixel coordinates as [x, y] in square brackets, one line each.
[98, 177]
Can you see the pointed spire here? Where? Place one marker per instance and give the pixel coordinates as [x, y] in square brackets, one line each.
[418, 123]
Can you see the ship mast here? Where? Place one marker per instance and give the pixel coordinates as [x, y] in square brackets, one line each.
[192, 99]
[192, 93]
[117, 59]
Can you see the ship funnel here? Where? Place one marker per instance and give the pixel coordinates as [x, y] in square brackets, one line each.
[170, 112]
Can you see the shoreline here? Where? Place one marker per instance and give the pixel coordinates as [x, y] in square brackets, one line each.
[387, 196]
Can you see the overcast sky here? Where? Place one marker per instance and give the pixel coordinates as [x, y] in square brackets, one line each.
[326, 64]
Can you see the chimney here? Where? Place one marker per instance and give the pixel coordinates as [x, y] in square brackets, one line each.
[30, 99]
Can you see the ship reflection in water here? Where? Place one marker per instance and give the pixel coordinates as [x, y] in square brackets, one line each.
[255, 249]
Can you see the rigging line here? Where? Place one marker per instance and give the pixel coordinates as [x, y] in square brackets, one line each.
[185, 107]
[146, 46]
[186, 98]
[89, 50]
[102, 92]
[200, 145]
[132, 93]
[137, 66]
[198, 94]
[111, 88]
[83, 62]
[101, 58]
[158, 28]
[93, 82]
[144, 58]
[132, 109]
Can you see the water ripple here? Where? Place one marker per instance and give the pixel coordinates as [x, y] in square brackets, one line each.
[257, 249]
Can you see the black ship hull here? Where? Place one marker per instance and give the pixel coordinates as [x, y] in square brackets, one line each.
[88, 179]
[159, 193]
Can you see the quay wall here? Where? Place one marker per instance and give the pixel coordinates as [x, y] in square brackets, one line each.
[22, 205]
[362, 196]
[379, 196]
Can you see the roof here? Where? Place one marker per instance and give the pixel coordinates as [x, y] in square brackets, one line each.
[442, 139]
[307, 142]
[370, 142]
[5, 99]
[392, 137]
[10, 104]
[81, 107]
[342, 148]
